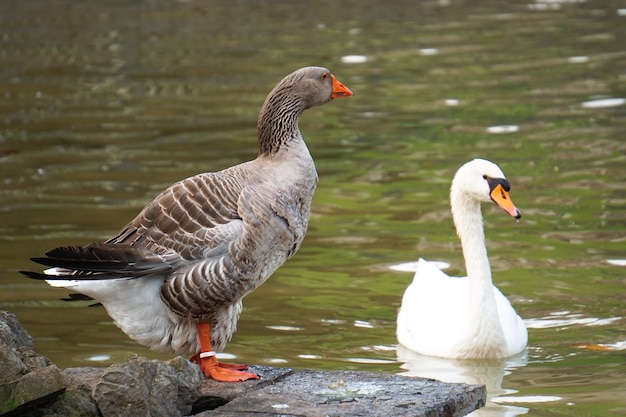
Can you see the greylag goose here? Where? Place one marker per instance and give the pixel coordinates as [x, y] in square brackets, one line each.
[174, 278]
[468, 317]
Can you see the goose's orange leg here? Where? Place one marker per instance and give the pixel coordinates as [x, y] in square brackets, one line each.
[209, 364]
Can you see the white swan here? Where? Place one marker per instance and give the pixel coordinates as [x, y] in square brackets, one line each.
[464, 317]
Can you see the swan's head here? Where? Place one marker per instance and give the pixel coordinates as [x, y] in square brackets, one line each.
[481, 180]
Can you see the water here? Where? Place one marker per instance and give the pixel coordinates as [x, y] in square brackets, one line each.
[104, 104]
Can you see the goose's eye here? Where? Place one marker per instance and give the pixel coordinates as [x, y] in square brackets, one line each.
[324, 76]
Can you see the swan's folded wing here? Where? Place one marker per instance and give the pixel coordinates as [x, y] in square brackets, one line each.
[513, 326]
[429, 271]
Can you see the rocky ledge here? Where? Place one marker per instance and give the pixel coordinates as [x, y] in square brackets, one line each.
[32, 386]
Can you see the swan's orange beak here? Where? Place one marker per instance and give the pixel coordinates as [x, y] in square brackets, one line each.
[339, 90]
[501, 197]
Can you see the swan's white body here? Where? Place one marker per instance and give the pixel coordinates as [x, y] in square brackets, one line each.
[435, 319]
[466, 317]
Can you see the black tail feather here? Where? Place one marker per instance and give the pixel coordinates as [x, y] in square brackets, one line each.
[101, 261]
[76, 276]
[77, 297]
[34, 275]
[81, 297]
[83, 265]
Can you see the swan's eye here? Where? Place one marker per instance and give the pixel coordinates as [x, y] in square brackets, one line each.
[324, 76]
[485, 177]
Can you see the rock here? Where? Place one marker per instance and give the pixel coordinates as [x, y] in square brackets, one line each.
[341, 393]
[140, 387]
[12, 332]
[87, 376]
[26, 379]
[75, 403]
[15, 343]
[189, 383]
[216, 394]
[30, 390]
[73, 400]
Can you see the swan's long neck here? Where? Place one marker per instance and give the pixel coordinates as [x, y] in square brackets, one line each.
[483, 323]
[468, 221]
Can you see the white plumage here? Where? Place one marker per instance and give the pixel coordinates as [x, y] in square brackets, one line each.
[464, 317]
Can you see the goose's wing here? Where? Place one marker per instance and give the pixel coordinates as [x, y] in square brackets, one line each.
[191, 218]
[269, 233]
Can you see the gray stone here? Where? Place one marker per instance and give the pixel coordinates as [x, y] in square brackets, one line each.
[70, 404]
[140, 387]
[85, 376]
[32, 389]
[11, 365]
[74, 401]
[15, 342]
[27, 380]
[341, 393]
[12, 332]
[189, 379]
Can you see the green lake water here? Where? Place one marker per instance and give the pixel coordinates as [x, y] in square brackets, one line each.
[105, 103]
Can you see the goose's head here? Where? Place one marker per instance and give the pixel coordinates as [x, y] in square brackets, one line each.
[481, 180]
[311, 86]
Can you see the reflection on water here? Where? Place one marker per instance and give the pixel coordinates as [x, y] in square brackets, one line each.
[562, 319]
[104, 104]
[484, 372]
[603, 103]
[618, 262]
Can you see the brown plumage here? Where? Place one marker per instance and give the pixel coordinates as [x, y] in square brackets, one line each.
[192, 254]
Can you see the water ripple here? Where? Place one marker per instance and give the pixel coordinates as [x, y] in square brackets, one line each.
[565, 318]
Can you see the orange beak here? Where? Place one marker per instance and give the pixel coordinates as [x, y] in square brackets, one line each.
[339, 90]
[501, 197]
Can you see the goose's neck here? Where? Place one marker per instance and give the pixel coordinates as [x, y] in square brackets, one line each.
[278, 121]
